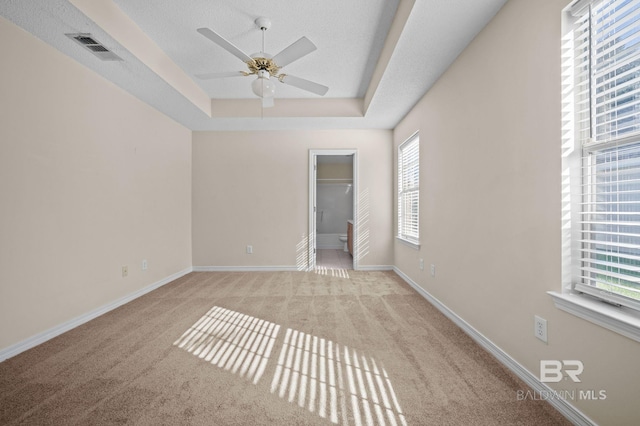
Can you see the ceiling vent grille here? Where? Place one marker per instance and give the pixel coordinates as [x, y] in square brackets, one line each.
[92, 45]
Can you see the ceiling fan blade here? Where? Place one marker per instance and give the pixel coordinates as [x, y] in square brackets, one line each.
[294, 52]
[303, 84]
[213, 75]
[226, 45]
[267, 102]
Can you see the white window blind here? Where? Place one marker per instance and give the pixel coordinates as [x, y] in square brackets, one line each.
[606, 81]
[408, 189]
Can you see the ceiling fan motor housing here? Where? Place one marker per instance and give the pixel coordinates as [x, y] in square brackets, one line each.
[265, 64]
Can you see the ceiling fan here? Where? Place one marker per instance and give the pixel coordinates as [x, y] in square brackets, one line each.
[265, 66]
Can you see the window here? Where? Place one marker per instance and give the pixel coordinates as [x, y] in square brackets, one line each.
[408, 190]
[601, 150]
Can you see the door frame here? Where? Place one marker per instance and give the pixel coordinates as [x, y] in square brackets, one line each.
[313, 155]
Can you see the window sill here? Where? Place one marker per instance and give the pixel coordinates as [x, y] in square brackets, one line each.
[621, 320]
[412, 244]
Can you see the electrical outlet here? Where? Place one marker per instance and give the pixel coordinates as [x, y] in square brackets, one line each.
[433, 270]
[422, 264]
[144, 265]
[125, 271]
[249, 249]
[540, 328]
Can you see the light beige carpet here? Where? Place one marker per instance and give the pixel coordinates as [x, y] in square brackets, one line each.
[282, 348]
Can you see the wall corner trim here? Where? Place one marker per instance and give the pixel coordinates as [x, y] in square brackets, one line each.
[565, 408]
[40, 338]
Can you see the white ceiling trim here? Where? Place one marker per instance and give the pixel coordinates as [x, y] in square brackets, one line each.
[325, 107]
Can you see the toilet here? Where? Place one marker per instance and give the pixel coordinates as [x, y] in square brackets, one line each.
[343, 239]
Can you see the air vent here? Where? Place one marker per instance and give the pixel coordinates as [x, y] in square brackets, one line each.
[92, 45]
[85, 40]
[97, 48]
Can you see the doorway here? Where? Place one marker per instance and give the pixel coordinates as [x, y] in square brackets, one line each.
[333, 204]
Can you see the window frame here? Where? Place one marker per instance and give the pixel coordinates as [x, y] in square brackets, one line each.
[406, 147]
[578, 90]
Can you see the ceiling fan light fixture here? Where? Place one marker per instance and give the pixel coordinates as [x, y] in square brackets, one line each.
[265, 66]
[262, 86]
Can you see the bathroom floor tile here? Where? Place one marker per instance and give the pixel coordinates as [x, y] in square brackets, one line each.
[333, 259]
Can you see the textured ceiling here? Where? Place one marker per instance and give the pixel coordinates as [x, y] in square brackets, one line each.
[377, 57]
[339, 38]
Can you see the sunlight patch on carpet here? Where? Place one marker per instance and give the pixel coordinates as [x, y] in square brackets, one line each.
[236, 342]
[332, 272]
[333, 381]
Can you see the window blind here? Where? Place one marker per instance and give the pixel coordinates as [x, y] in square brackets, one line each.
[615, 69]
[607, 118]
[408, 189]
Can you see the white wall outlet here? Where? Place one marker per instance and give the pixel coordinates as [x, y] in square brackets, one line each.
[433, 270]
[422, 264]
[144, 264]
[540, 328]
[125, 271]
[249, 249]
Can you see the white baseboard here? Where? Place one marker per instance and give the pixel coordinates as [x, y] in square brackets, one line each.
[278, 268]
[375, 268]
[572, 414]
[40, 338]
[247, 269]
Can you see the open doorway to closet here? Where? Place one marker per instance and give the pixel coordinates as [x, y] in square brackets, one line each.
[332, 210]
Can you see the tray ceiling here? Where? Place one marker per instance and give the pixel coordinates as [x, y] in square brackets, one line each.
[377, 57]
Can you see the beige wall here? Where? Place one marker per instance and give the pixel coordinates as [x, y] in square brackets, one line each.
[490, 205]
[252, 188]
[91, 179]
